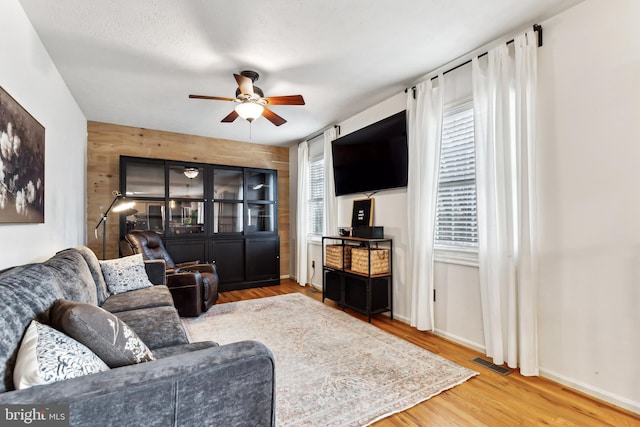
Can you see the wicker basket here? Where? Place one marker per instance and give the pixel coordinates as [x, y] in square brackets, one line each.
[379, 261]
[333, 256]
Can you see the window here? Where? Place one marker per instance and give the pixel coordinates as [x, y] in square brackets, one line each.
[456, 220]
[316, 196]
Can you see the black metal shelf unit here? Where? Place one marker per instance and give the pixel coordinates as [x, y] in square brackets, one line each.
[365, 288]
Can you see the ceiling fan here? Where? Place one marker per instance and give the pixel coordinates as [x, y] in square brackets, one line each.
[251, 101]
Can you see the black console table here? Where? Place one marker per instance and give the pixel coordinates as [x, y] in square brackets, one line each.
[357, 273]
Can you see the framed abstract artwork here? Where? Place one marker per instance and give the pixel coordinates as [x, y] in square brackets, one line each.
[21, 164]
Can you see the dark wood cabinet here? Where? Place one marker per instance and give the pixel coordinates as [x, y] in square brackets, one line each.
[265, 255]
[182, 250]
[357, 273]
[230, 259]
[208, 212]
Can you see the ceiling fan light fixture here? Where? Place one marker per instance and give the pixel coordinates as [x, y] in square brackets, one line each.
[249, 110]
[251, 102]
[191, 172]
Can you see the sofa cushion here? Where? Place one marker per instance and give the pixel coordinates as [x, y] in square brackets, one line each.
[96, 272]
[125, 274]
[102, 332]
[74, 277]
[47, 355]
[25, 293]
[163, 352]
[157, 326]
[155, 296]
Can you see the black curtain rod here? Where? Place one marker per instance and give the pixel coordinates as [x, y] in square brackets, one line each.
[320, 132]
[536, 27]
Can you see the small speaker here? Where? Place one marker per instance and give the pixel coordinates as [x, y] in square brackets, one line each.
[367, 232]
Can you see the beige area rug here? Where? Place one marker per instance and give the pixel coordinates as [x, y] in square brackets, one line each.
[331, 369]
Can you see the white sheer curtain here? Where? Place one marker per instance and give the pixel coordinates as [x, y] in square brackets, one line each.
[424, 127]
[504, 93]
[330, 202]
[301, 217]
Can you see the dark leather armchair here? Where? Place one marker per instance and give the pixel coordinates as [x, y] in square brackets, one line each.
[194, 286]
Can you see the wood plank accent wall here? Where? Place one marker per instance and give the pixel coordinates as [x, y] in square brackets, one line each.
[107, 142]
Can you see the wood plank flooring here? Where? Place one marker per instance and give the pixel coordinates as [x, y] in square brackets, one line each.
[488, 399]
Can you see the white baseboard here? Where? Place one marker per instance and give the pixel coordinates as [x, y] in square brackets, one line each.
[403, 319]
[285, 276]
[585, 388]
[459, 340]
[590, 390]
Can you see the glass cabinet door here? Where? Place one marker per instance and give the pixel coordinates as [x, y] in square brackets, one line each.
[186, 200]
[261, 185]
[144, 183]
[228, 185]
[144, 180]
[145, 215]
[186, 182]
[261, 201]
[227, 217]
[260, 217]
[186, 217]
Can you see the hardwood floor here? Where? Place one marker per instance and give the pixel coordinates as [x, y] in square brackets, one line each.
[488, 399]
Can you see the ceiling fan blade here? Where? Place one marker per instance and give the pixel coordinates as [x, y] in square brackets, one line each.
[230, 118]
[210, 97]
[273, 117]
[245, 84]
[285, 100]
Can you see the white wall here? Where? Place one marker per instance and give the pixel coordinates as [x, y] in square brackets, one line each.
[589, 207]
[589, 152]
[390, 206]
[457, 309]
[28, 74]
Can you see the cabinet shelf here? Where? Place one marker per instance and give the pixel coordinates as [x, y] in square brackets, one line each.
[356, 273]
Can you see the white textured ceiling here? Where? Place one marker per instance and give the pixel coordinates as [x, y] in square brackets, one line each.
[134, 62]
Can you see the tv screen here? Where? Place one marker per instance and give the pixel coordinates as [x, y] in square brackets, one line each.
[373, 158]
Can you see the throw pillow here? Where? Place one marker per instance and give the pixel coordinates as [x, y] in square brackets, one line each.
[47, 355]
[125, 274]
[102, 332]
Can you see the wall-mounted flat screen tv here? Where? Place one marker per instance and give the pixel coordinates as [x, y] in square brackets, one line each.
[373, 158]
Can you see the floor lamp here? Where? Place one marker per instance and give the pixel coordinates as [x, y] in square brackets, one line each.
[117, 205]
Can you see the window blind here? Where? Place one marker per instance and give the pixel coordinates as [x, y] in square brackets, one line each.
[316, 196]
[456, 215]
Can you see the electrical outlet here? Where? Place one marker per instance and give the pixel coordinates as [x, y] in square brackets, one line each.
[313, 264]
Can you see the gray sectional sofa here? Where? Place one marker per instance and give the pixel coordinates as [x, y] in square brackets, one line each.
[189, 384]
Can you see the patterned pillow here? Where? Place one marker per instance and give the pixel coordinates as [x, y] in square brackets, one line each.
[125, 274]
[46, 356]
[106, 335]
